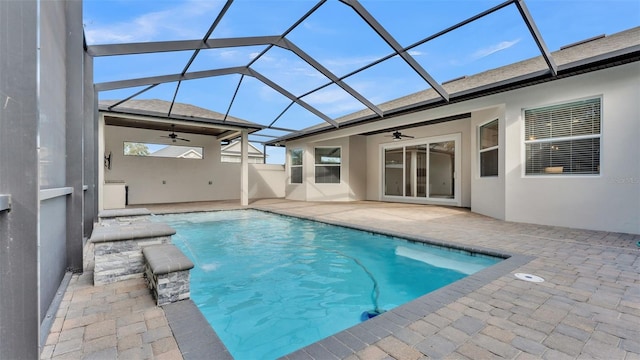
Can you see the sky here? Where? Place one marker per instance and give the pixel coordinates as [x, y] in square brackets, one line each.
[337, 38]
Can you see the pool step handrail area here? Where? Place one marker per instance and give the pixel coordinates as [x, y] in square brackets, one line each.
[120, 238]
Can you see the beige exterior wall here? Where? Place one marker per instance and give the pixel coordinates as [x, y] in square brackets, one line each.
[487, 193]
[352, 167]
[374, 157]
[609, 201]
[153, 180]
[358, 164]
[297, 191]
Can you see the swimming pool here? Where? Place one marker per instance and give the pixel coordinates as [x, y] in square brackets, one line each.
[271, 284]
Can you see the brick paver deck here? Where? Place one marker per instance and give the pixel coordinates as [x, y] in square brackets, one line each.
[115, 321]
[587, 307]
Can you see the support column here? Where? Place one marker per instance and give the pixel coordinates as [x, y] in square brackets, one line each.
[19, 321]
[244, 169]
[74, 133]
[91, 161]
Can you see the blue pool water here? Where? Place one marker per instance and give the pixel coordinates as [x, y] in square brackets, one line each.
[271, 284]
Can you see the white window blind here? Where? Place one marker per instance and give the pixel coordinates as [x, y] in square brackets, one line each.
[563, 139]
[327, 164]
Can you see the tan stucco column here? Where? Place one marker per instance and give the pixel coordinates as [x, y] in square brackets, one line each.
[244, 169]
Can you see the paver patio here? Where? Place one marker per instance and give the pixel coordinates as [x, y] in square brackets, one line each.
[587, 307]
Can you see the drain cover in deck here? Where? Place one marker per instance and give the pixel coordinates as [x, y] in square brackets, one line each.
[529, 277]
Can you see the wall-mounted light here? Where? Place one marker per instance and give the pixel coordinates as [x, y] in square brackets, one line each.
[107, 161]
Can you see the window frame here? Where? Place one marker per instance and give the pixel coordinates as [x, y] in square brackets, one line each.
[553, 172]
[488, 149]
[429, 199]
[316, 165]
[292, 166]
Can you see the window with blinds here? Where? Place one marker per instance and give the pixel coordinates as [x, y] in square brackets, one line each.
[327, 164]
[563, 139]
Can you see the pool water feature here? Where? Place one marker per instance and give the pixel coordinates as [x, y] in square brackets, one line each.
[271, 284]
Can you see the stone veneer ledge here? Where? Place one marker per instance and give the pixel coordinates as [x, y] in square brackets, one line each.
[139, 230]
[114, 213]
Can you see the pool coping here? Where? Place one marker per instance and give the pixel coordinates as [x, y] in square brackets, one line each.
[198, 340]
[195, 337]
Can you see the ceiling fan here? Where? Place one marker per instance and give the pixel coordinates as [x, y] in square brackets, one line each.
[173, 136]
[397, 135]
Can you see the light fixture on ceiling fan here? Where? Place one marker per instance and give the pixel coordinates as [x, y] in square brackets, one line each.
[397, 135]
[173, 136]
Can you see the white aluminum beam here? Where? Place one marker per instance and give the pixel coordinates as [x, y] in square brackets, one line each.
[386, 36]
[123, 84]
[292, 97]
[179, 45]
[286, 44]
[528, 19]
[213, 26]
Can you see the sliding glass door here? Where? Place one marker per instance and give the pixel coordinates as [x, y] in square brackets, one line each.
[421, 169]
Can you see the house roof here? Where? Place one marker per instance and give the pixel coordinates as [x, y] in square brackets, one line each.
[167, 109]
[155, 114]
[234, 149]
[588, 55]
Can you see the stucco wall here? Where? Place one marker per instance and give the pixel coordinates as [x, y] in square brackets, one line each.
[52, 152]
[266, 181]
[19, 230]
[327, 192]
[374, 170]
[487, 193]
[358, 167]
[609, 201]
[353, 180]
[153, 180]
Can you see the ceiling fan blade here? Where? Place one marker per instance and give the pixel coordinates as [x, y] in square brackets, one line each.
[183, 139]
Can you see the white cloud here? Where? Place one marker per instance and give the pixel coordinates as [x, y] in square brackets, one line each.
[229, 54]
[494, 49]
[333, 101]
[291, 71]
[416, 53]
[173, 23]
[318, 29]
[234, 56]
